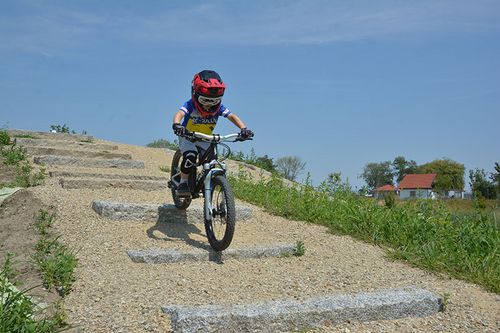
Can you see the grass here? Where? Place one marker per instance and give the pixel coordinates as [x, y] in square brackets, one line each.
[165, 168]
[424, 233]
[11, 154]
[18, 313]
[162, 143]
[300, 249]
[25, 136]
[54, 259]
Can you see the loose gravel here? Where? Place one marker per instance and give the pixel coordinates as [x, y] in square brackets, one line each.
[114, 294]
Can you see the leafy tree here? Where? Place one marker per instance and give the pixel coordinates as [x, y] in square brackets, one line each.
[402, 167]
[480, 184]
[61, 129]
[450, 174]
[377, 174]
[289, 167]
[266, 163]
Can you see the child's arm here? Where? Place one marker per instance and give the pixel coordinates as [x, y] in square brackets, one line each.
[178, 117]
[236, 120]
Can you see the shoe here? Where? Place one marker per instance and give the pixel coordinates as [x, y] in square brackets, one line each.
[183, 190]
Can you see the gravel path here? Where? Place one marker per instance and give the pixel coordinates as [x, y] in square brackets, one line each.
[113, 294]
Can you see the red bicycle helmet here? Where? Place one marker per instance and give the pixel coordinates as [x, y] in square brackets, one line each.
[207, 90]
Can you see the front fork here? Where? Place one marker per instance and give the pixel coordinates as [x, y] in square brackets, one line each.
[207, 190]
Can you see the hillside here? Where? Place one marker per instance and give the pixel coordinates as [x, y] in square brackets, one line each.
[112, 293]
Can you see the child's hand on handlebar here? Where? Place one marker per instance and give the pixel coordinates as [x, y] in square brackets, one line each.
[246, 134]
[179, 129]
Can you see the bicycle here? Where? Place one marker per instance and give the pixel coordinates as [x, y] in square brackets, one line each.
[219, 208]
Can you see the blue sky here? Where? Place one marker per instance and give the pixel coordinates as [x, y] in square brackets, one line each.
[337, 83]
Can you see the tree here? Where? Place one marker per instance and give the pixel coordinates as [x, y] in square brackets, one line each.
[480, 184]
[402, 167]
[266, 163]
[377, 174]
[450, 174]
[289, 167]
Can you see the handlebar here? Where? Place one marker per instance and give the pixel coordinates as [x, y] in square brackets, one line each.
[214, 137]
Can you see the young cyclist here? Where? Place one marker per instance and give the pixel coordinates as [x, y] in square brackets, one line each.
[200, 114]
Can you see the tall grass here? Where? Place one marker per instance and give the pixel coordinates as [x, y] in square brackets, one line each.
[424, 233]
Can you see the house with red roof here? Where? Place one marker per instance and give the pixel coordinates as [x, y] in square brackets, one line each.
[382, 191]
[418, 186]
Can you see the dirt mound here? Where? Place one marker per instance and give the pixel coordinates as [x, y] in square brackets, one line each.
[18, 236]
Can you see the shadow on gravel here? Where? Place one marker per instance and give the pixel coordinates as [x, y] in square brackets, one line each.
[176, 228]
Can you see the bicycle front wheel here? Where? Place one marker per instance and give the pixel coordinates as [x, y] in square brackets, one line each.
[220, 225]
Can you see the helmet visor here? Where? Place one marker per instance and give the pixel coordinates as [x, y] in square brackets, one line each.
[209, 101]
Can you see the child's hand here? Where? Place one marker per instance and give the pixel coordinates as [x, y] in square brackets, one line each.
[246, 133]
[179, 129]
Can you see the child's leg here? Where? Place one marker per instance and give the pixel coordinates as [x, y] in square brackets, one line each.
[189, 155]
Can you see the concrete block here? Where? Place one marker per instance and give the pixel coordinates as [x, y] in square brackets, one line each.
[162, 256]
[88, 163]
[75, 153]
[144, 185]
[293, 315]
[158, 213]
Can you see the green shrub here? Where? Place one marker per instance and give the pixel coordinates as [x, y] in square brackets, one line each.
[4, 139]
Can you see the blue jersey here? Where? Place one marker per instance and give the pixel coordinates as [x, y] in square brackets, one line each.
[195, 122]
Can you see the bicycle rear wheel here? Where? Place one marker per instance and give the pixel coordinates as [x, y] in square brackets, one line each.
[220, 225]
[175, 177]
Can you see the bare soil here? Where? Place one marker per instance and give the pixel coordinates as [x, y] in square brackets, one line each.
[7, 172]
[18, 236]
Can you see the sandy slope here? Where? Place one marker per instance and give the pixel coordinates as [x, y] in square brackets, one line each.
[112, 294]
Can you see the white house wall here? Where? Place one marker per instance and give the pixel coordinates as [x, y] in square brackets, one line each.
[420, 194]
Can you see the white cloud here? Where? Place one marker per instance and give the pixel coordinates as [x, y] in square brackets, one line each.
[48, 29]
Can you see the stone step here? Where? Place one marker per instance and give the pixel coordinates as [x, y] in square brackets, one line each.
[158, 213]
[163, 256]
[145, 185]
[88, 163]
[51, 136]
[293, 315]
[71, 174]
[64, 144]
[75, 153]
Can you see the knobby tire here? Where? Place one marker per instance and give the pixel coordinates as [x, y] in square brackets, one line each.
[223, 202]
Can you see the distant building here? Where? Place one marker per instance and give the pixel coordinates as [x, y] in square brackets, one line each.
[418, 186]
[382, 191]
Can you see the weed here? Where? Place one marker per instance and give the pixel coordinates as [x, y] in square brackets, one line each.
[390, 200]
[13, 155]
[165, 168]
[300, 249]
[4, 138]
[55, 260]
[18, 313]
[446, 300]
[87, 140]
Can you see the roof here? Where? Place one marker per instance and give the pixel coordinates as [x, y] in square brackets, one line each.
[386, 188]
[418, 181]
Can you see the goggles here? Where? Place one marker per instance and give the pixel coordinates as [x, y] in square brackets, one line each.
[209, 101]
